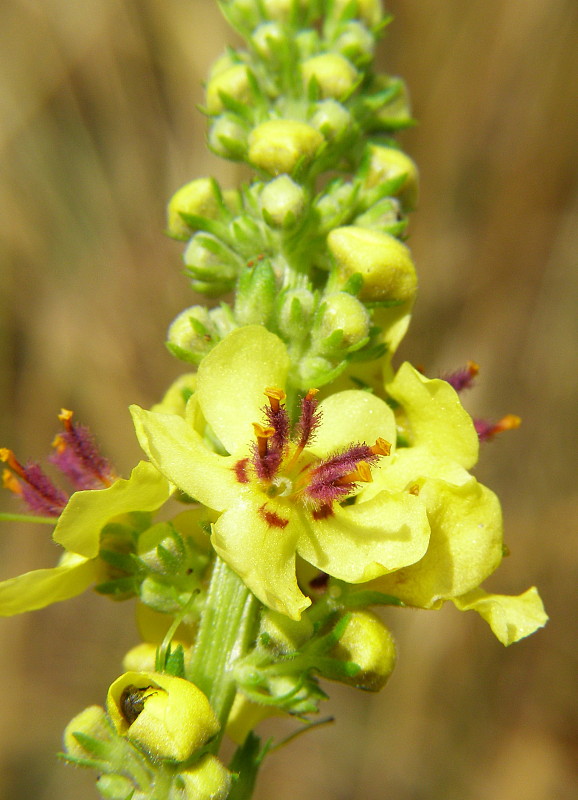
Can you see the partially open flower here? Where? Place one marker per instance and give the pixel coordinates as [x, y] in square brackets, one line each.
[168, 716]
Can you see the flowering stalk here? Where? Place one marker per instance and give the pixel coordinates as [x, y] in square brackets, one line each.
[295, 479]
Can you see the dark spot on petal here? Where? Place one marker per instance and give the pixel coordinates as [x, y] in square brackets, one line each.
[240, 470]
[273, 519]
[323, 512]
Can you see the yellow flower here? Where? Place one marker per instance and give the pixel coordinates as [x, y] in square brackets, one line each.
[280, 494]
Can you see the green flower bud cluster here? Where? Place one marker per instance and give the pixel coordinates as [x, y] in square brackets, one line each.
[311, 264]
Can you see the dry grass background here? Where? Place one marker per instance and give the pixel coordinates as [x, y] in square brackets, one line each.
[97, 127]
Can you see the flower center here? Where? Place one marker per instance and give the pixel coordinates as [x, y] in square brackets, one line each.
[281, 465]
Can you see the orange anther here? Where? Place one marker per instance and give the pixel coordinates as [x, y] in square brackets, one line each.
[311, 394]
[10, 482]
[472, 368]
[381, 447]
[275, 395]
[507, 423]
[361, 474]
[8, 456]
[262, 434]
[414, 489]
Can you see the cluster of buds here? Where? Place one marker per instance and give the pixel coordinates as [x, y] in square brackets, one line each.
[311, 263]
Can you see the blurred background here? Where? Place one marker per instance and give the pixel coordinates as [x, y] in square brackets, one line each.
[98, 127]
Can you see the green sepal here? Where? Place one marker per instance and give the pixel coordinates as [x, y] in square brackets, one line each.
[200, 224]
[353, 285]
[256, 292]
[89, 763]
[369, 598]
[236, 149]
[126, 562]
[171, 562]
[335, 670]
[99, 749]
[175, 662]
[184, 355]
[369, 354]
[245, 766]
[123, 588]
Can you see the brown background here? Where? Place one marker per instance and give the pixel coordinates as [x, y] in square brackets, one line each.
[97, 127]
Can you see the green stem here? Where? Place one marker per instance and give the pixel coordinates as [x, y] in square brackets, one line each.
[5, 517]
[225, 634]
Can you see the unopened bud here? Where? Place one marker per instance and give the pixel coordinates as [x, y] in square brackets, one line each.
[207, 258]
[228, 137]
[391, 164]
[209, 779]
[341, 311]
[368, 643]
[282, 202]
[233, 82]
[356, 43]
[267, 38]
[394, 111]
[285, 634]
[384, 263]
[281, 9]
[332, 119]
[335, 75]
[141, 658]
[278, 146]
[115, 787]
[168, 716]
[294, 316]
[384, 216]
[200, 198]
[369, 11]
[256, 292]
[90, 722]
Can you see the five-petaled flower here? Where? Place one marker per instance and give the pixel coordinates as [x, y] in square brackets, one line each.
[283, 494]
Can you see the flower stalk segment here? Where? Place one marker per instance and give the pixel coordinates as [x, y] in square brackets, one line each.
[296, 479]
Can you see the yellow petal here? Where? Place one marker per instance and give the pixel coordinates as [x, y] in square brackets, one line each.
[435, 416]
[86, 514]
[510, 618]
[352, 416]
[232, 380]
[465, 545]
[42, 587]
[368, 539]
[179, 453]
[261, 554]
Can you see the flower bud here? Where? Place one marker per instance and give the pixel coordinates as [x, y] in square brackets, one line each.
[369, 11]
[281, 9]
[285, 634]
[384, 263]
[282, 202]
[256, 292]
[294, 315]
[279, 145]
[335, 201]
[391, 164]
[393, 110]
[167, 716]
[335, 75]
[233, 82]
[115, 787]
[332, 119]
[90, 722]
[341, 311]
[384, 216]
[208, 258]
[200, 197]
[141, 658]
[228, 137]
[209, 779]
[368, 643]
[266, 40]
[190, 335]
[356, 43]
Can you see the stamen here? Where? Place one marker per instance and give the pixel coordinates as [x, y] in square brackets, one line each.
[11, 483]
[381, 447]
[414, 489]
[263, 435]
[276, 396]
[9, 458]
[462, 378]
[309, 419]
[487, 430]
[78, 457]
[361, 474]
[36, 488]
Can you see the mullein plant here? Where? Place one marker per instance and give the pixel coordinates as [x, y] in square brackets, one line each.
[295, 480]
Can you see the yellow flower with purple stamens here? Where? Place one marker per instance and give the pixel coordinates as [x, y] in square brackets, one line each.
[285, 490]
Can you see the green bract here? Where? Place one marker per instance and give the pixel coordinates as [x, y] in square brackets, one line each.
[257, 534]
